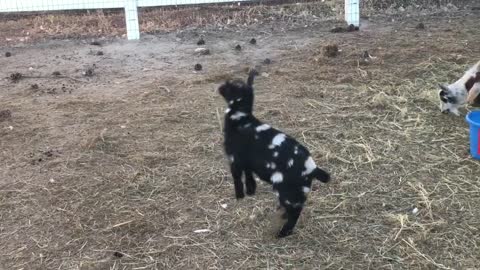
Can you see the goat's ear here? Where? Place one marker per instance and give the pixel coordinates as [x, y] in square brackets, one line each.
[222, 89]
[251, 76]
[443, 87]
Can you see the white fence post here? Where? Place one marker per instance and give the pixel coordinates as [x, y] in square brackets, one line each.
[352, 12]
[131, 19]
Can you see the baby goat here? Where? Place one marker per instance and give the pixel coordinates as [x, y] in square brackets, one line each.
[464, 90]
[256, 148]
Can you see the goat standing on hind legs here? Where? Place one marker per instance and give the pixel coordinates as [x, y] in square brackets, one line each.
[256, 148]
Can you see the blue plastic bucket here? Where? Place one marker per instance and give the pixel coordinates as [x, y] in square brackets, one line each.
[473, 119]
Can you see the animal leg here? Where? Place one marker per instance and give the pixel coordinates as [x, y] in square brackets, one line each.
[250, 183]
[237, 181]
[473, 93]
[293, 213]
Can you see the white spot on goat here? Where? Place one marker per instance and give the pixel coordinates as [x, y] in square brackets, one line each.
[287, 202]
[237, 115]
[277, 194]
[295, 151]
[309, 166]
[297, 205]
[275, 154]
[278, 139]
[290, 163]
[231, 102]
[227, 110]
[247, 125]
[262, 128]
[231, 158]
[271, 165]
[305, 189]
[239, 99]
[277, 177]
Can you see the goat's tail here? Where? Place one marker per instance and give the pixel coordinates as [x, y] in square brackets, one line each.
[321, 175]
[251, 76]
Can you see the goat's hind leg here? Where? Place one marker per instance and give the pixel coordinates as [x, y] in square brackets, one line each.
[250, 183]
[237, 180]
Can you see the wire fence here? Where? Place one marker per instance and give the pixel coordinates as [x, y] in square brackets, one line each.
[131, 8]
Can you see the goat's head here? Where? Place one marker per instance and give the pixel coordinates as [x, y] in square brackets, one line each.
[238, 94]
[448, 102]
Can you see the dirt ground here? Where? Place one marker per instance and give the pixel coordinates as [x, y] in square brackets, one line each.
[122, 168]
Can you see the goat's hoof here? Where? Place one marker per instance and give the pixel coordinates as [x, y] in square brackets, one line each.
[283, 234]
[239, 196]
[250, 192]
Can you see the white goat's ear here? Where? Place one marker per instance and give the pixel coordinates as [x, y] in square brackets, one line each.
[443, 87]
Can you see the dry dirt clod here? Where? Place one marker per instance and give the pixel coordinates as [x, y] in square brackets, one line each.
[15, 77]
[331, 50]
[338, 29]
[89, 72]
[56, 73]
[5, 114]
[95, 43]
[253, 41]
[34, 86]
[201, 42]
[8, 54]
[420, 26]
[238, 47]
[99, 53]
[267, 61]
[197, 67]
[118, 254]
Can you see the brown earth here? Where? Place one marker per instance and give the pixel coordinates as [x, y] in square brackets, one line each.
[119, 169]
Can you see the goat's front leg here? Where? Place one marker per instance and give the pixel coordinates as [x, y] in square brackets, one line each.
[250, 182]
[473, 93]
[293, 213]
[237, 180]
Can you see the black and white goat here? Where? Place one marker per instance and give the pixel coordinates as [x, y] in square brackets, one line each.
[464, 90]
[256, 148]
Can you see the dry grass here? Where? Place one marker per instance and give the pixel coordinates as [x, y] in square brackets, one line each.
[101, 24]
[143, 173]
[382, 4]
